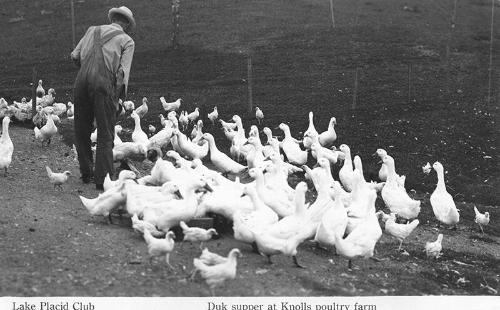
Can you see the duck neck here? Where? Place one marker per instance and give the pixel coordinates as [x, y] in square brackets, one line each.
[211, 144]
[440, 184]
[137, 122]
[348, 159]
[5, 130]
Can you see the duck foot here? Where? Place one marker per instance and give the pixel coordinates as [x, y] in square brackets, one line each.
[349, 265]
[110, 221]
[269, 259]
[297, 263]
[378, 260]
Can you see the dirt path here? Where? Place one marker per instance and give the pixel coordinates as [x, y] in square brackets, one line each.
[51, 246]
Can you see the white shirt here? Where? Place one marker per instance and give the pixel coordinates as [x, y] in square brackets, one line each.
[118, 51]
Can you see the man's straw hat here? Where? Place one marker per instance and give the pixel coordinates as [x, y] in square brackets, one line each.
[123, 10]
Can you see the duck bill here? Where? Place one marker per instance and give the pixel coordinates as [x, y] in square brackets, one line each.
[178, 193]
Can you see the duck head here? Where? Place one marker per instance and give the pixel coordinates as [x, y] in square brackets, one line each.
[235, 252]
[438, 166]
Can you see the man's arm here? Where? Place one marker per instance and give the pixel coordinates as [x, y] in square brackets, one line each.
[126, 62]
[75, 54]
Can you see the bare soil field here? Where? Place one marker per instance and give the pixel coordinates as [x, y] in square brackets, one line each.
[53, 247]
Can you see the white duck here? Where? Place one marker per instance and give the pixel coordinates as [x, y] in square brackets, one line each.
[395, 196]
[259, 115]
[212, 116]
[328, 137]
[255, 157]
[160, 246]
[361, 204]
[40, 92]
[361, 241]
[358, 164]
[238, 148]
[6, 146]
[58, 179]
[279, 202]
[311, 134]
[291, 147]
[433, 249]
[170, 213]
[382, 173]
[122, 176]
[117, 140]
[217, 274]
[138, 135]
[106, 202]
[261, 217]
[272, 145]
[334, 219]
[141, 196]
[346, 173]
[221, 161]
[170, 106]
[442, 202]
[162, 138]
[140, 225]
[399, 231]
[190, 149]
[481, 219]
[46, 132]
[129, 150]
[143, 108]
[318, 151]
[199, 133]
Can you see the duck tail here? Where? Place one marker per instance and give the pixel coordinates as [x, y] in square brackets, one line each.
[198, 264]
[49, 171]
[88, 203]
[38, 134]
[476, 211]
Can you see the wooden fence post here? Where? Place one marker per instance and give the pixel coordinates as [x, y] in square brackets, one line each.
[490, 68]
[250, 82]
[33, 96]
[355, 92]
[73, 30]
[409, 83]
[175, 23]
[332, 12]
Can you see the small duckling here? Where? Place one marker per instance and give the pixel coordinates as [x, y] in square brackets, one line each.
[481, 219]
[210, 258]
[140, 225]
[58, 179]
[433, 249]
[195, 234]
[217, 274]
[160, 246]
[212, 116]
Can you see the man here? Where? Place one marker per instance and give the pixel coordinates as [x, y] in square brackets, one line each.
[104, 56]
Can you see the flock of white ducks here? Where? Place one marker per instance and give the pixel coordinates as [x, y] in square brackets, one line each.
[267, 213]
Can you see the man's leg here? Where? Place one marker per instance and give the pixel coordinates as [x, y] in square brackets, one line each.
[84, 115]
[105, 114]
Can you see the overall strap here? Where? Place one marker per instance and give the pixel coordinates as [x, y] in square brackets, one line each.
[108, 36]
